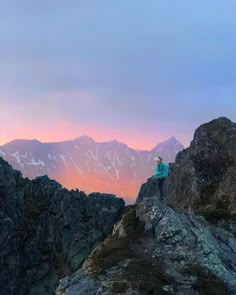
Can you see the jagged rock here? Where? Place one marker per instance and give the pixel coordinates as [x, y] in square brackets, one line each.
[203, 177]
[149, 188]
[155, 249]
[185, 241]
[201, 172]
[46, 231]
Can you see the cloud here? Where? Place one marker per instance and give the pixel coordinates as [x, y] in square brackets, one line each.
[126, 66]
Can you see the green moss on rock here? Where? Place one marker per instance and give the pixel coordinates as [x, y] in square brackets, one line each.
[218, 210]
[139, 272]
[119, 287]
[115, 248]
[146, 277]
[206, 282]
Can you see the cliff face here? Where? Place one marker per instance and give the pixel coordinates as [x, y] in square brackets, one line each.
[206, 172]
[46, 231]
[203, 178]
[155, 249]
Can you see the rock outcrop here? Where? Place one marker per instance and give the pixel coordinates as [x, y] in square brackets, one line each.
[203, 177]
[187, 247]
[155, 249]
[46, 231]
[205, 173]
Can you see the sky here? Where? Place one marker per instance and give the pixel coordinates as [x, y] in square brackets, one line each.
[131, 70]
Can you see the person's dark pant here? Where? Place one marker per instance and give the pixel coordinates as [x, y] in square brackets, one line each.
[161, 188]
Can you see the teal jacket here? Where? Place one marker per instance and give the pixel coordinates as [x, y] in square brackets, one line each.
[162, 170]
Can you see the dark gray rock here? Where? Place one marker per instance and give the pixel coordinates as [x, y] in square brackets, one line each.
[184, 241]
[203, 178]
[149, 188]
[46, 231]
[163, 251]
[206, 171]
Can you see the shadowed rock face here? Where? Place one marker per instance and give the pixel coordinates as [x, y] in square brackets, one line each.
[46, 231]
[201, 172]
[155, 249]
[203, 177]
[148, 189]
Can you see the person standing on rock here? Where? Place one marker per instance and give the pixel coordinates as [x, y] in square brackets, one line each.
[162, 171]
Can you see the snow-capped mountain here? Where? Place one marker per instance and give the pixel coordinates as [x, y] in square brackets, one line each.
[82, 163]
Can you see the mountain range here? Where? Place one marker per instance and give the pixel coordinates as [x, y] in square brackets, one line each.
[56, 241]
[111, 166]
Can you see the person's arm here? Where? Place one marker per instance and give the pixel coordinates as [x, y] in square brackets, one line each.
[168, 169]
[158, 172]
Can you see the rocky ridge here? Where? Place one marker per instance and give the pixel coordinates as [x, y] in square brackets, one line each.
[156, 249]
[185, 247]
[46, 231]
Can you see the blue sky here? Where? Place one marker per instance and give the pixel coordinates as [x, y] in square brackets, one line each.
[137, 71]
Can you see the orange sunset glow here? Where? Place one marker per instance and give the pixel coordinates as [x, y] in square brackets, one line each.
[65, 130]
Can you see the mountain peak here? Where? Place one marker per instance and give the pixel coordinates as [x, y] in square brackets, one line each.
[173, 138]
[219, 130]
[114, 142]
[167, 148]
[85, 139]
[172, 141]
[21, 142]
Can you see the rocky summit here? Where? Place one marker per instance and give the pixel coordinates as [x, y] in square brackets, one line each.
[46, 231]
[56, 241]
[203, 178]
[187, 246]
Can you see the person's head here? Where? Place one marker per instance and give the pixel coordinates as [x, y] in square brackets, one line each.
[158, 159]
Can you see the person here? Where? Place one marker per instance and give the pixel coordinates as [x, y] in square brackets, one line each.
[162, 171]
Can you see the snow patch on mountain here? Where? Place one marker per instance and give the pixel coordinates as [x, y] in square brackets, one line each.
[17, 156]
[36, 162]
[63, 159]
